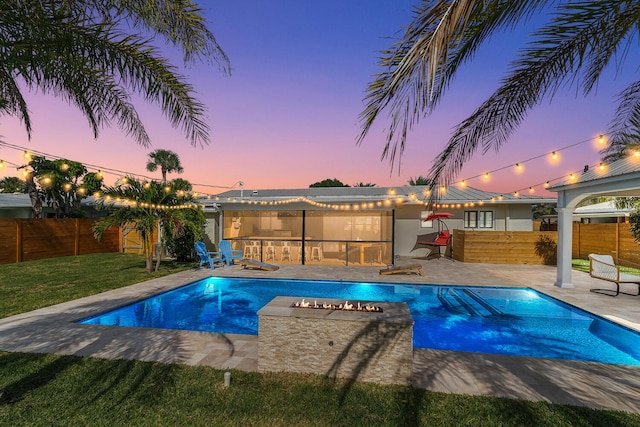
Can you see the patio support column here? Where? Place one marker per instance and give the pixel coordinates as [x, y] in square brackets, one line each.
[565, 235]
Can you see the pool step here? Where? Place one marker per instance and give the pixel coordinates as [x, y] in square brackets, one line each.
[466, 301]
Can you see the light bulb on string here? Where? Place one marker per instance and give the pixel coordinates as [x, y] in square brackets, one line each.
[601, 140]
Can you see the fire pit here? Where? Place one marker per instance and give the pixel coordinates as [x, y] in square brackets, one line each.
[346, 306]
[349, 342]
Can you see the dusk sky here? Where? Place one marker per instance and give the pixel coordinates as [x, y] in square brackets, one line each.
[287, 116]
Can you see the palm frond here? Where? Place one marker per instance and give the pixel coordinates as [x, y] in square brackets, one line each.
[419, 67]
[573, 48]
[561, 51]
[79, 51]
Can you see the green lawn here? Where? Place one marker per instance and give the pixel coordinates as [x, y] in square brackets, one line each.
[48, 390]
[31, 285]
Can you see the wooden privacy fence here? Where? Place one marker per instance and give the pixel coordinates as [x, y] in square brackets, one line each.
[541, 247]
[608, 239]
[31, 239]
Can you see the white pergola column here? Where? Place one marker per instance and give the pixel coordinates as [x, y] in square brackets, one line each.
[565, 237]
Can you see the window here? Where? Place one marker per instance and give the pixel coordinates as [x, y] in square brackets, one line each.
[478, 219]
[424, 215]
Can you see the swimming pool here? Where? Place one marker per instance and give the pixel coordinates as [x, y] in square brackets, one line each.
[514, 321]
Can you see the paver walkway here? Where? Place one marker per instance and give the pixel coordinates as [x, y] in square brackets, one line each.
[52, 330]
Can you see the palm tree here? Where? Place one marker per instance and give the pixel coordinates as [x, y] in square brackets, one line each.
[573, 47]
[12, 184]
[167, 160]
[419, 180]
[96, 53]
[146, 204]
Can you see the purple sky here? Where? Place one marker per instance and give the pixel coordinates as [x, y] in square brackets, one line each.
[288, 115]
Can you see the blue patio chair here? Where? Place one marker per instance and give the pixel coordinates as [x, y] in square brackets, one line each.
[207, 257]
[228, 253]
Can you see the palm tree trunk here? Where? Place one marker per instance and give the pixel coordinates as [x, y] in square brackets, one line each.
[148, 252]
[36, 203]
[158, 259]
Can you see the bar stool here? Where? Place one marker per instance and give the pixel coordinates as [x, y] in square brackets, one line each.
[270, 251]
[255, 249]
[286, 251]
[316, 252]
[248, 250]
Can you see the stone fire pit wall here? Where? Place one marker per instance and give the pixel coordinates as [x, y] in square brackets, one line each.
[366, 346]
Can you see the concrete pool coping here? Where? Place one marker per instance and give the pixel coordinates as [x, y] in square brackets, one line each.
[53, 330]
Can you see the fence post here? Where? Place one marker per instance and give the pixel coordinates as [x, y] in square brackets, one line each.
[76, 243]
[617, 242]
[18, 240]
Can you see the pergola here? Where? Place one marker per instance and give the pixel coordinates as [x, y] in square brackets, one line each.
[620, 178]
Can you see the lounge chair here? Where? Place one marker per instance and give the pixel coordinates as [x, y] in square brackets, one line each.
[228, 253]
[207, 257]
[257, 265]
[604, 267]
[442, 239]
[397, 269]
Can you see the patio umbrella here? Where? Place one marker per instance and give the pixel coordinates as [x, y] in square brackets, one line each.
[435, 216]
[438, 216]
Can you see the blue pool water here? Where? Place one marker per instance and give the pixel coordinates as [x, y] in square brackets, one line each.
[511, 321]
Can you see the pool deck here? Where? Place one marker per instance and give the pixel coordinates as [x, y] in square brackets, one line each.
[52, 330]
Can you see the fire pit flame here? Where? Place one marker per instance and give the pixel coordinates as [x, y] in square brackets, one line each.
[346, 306]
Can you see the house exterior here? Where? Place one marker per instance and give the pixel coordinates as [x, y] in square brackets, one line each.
[601, 213]
[355, 225]
[18, 205]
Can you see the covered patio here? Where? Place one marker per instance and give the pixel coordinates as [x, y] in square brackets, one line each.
[619, 179]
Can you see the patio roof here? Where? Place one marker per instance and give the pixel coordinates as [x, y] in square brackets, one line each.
[620, 178]
[408, 194]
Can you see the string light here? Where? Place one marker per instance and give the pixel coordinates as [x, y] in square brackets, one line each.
[442, 190]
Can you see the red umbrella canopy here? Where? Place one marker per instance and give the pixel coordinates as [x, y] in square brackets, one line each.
[438, 215]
